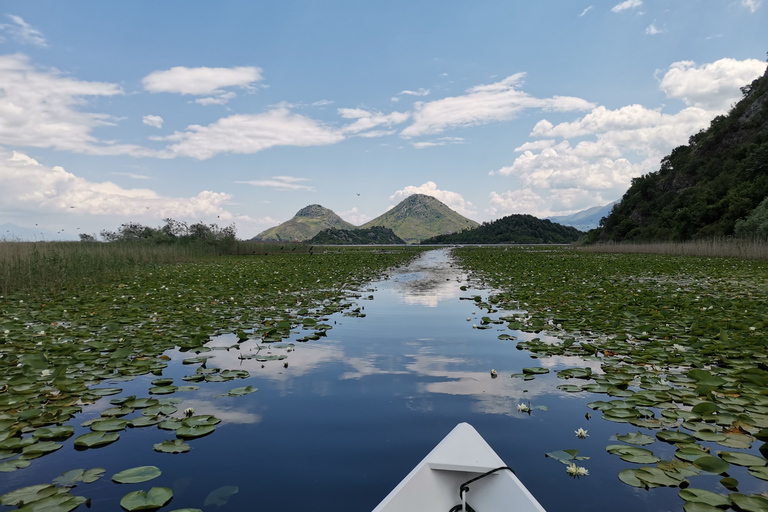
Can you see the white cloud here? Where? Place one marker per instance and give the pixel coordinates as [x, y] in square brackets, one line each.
[280, 183]
[585, 11]
[628, 4]
[713, 86]
[322, 103]
[248, 134]
[203, 82]
[151, 120]
[420, 92]
[42, 109]
[28, 186]
[442, 141]
[533, 146]
[652, 30]
[22, 32]
[482, 104]
[752, 5]
[453, 199]
[355, 216]
[133, 175]
[365, 120]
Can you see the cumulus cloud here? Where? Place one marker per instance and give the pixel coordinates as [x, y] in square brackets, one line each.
[133, 175]
[365, 120]
[22, 32]
[453, 199]
[355, 216]
[28, 186]
[247, 134]
[482, 104]
[286, 183]
[42, 108]
[203, 81]
[151, 120]
[713, 86]
[628, 4]
[752, 5]
[612, 146]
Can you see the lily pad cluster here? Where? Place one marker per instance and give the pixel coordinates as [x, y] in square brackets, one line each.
[681, 343]
[61, 352]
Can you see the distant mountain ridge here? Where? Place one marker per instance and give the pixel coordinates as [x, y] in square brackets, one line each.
[360, 236]
[307, 222]
[415, 218]
[585, 219]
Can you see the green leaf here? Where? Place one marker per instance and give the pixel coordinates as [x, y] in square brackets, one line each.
[136, 475]
[62, 502]
[175, 446]
[28, 494]
[639, 439]
[96, 439]
[749, 503]
[711, 464]
[703, 496]
[155, 498]
[742, 459]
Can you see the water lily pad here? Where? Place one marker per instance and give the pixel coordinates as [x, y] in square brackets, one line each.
[220, 496]
[628, 477]
[240, 391]
[675, 436]
[12, 465]
[742, 459]
[163, 390]
[714, 499]
[96, 439]
[194, 431]
[155, 498]
[144, 421]
[638, 439]
[73, 477]
[40, 448]
[57, 433]
[749, 503]
[632, 454]
[136, 475]
[61, 502]
[28, 494]
[711, 464]
[175, 446]
[659, 477]
[760, 472]
[108, 425]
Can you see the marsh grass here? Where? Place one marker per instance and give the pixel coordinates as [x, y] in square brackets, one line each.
[711, 248]
[53, 266]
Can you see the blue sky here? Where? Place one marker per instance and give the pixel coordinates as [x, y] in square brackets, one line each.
[244, 112]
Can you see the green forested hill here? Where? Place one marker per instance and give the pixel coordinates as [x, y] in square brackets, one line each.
[362, 236]
[307, 222]
[708, 188]
[513, 229]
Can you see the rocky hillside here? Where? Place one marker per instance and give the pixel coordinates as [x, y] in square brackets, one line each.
[419, 216]
[362, 236]
[307, 222]
[512, 229]
[703, 189]
[585, 219]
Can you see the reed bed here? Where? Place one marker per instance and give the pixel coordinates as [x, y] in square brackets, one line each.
[52, 266]
[710, 248]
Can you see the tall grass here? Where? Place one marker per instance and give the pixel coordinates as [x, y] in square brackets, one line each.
[52, 266]
[710, 248]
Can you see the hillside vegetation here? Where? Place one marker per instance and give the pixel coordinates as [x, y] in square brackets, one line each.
[715, 186]
[307, 222]
[362, 236]
[419, 216]
[512, 229]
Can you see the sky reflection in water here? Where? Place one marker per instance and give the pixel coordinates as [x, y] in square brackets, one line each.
[354, 412]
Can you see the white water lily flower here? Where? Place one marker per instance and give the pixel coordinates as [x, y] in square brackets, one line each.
[45, 372]
[189, 411]
[581, 433]
[9, 332]
[572, 469]
[679, 348]
[522, 408]
[580, 471]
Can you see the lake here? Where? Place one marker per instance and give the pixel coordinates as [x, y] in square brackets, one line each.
[354, 412]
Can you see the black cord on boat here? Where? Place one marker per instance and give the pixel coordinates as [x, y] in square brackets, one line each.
[463, 488]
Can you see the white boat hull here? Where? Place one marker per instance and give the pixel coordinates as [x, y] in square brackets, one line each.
[462, 455]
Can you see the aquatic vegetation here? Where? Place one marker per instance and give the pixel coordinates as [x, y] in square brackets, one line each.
[681, 344]
[61, 352]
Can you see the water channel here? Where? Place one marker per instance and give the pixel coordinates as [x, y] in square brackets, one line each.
[352, 413]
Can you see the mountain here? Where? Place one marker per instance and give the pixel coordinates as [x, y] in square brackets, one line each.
[362, 236]
[585, 219]
[707, 188]
[13, 233]
[512, 229]
[307, 222]
[419, 216]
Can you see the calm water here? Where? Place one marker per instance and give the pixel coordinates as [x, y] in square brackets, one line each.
[354, 412]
